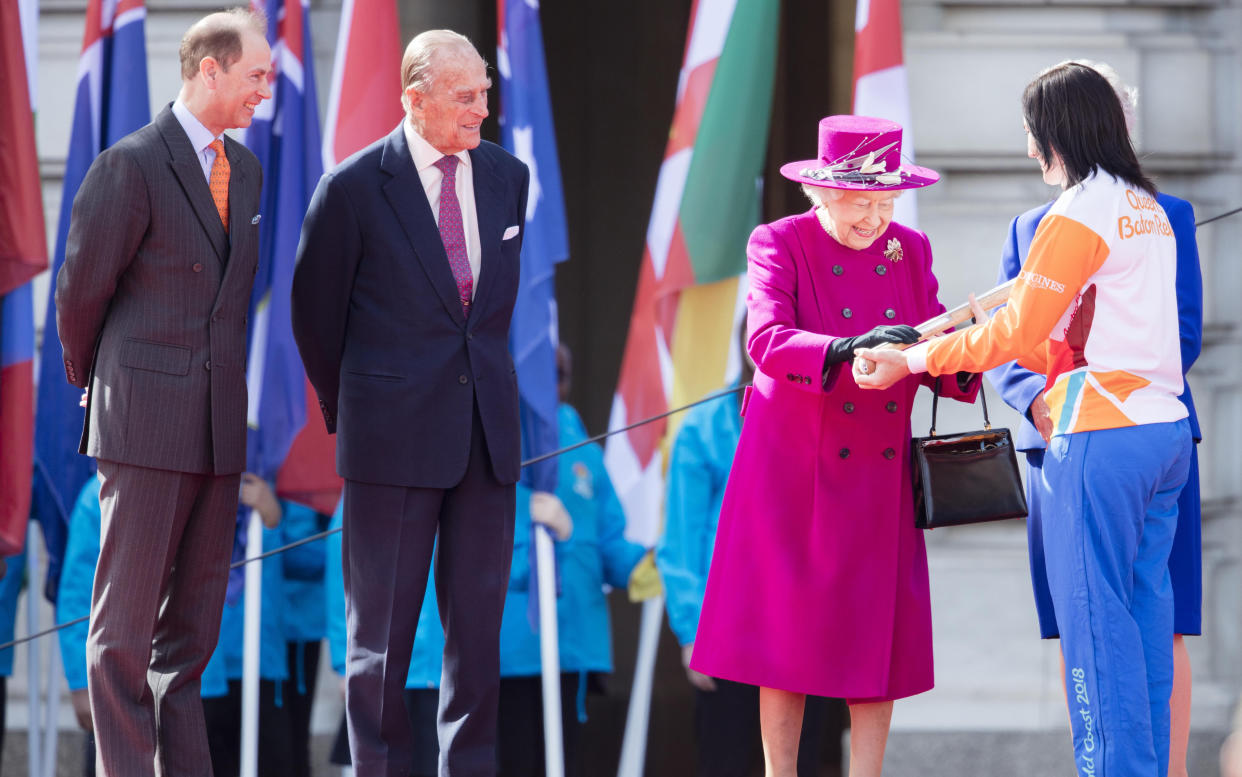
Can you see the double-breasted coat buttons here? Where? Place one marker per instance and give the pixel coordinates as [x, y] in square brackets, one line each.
[848, 407]
[847, 313]
[837, 269]
[845, 453]
[890, 454]
[890, 314]
[891, 407]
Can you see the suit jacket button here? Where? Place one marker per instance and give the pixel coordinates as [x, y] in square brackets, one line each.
[462, 379]
[837, 269]
[848, 407]
[890, 314]
[197, 267]
[207, 365]
[890, 454]
[845, 453]
[847, 313]
[880, 269]
[891, 407]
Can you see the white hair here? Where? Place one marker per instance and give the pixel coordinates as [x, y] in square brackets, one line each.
[1127, 95]
[821, 195]
[424, 53]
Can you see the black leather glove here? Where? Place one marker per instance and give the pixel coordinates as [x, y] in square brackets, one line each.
[842, 349]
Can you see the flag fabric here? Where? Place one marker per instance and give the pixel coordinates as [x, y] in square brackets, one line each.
[284, 135]
[365, 100]
[23, 244]
[526, 131]
[706, 204]
[363, 106]
[23, 254]
[881, 88]
[111, 101]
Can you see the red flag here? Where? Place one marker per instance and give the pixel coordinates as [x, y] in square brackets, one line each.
[23, 242]
[365, 103]
[880, 86]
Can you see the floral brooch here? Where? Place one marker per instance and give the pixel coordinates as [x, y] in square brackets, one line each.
[893, 250]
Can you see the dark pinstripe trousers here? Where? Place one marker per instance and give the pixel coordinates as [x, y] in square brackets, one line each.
[165, 543]
[389, 533]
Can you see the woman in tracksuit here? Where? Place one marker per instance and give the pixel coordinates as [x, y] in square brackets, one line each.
[1095, 309]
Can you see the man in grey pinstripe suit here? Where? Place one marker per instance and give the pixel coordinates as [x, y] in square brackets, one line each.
[151, 310]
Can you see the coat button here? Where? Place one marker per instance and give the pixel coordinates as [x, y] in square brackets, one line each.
[890, 454]
[847, 313]
[789, 376]
[845, 453]
[462, 379]
[890, 314]
[207, 366]
[880, 269]
[891, 407]
[837, 269]
[848, 407]
[197, 267]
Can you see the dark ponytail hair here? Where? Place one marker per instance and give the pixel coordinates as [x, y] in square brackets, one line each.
[1071, 110]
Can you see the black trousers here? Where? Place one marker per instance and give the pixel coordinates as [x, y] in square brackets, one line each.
[387, 544]
[224, 715]
[726, 726]
[520, 743]
[299, 694]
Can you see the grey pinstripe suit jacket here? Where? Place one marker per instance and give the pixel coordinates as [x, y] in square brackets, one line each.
[151, 303]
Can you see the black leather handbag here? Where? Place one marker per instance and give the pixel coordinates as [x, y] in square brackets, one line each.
[964, 478]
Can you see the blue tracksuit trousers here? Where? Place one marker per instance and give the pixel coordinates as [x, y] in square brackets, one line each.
[1108, 528]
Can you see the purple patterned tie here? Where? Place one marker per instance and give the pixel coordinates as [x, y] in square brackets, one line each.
[452, 233]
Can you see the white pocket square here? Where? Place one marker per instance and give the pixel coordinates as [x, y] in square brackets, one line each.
[511, 232]
[255, 220]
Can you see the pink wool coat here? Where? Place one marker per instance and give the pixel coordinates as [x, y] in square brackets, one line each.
[818, 582]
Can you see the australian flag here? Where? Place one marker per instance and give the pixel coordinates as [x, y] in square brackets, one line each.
[527, 132]
[110, 102]
[284, 135]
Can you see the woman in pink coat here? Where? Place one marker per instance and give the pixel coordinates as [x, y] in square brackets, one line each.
[817, 585]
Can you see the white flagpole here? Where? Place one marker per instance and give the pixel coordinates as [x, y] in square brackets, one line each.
[51, 727]
[634, 744]
[549, 652]
[33, 734]
[250, 655]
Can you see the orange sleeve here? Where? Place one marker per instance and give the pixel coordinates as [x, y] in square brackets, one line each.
[1064, 254]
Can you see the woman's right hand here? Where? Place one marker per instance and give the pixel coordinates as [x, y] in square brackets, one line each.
[1041, 416]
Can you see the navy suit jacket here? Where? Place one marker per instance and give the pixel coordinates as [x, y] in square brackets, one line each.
[397, 366]
[1019, 386]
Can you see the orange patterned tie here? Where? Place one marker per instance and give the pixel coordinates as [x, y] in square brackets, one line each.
[220, 182]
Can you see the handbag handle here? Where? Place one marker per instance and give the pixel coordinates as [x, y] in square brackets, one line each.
[983, 397]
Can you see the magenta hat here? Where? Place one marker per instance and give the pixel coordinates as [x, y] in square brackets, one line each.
[859, 152]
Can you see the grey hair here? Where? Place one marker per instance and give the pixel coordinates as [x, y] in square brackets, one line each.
[219, 36]
[424, 52]
[820, 195]
[1127, 95]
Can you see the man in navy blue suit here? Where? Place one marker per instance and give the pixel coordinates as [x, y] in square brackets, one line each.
[406, 279]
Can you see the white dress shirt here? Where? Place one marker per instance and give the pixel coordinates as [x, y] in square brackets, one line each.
[425, 157]
[200, 137]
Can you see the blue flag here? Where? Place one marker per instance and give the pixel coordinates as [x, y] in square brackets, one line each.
[285, 137]
[110, 102]
[527, 132]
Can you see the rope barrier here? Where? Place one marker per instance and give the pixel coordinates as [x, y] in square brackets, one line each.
[1218, 218]
[325, 534]
[526, 463]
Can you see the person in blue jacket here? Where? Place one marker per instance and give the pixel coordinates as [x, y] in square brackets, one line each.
[12, 576]
[422, 684]
[726, 713]
[591, 552]
[303, 621]
[220, 682]
[1023, 390]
